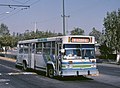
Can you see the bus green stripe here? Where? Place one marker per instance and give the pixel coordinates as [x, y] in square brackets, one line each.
[78, 66]
[81, 66]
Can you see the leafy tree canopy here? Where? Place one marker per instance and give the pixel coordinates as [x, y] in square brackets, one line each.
[77, 31]
[97, 34]
[4, 30]
[112, 29]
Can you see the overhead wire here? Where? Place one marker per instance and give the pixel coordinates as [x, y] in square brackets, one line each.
[34, 2]
[20, 9]
[5, 14]
[54, 18]
[21, 2]
[11, 15]
[17, 1]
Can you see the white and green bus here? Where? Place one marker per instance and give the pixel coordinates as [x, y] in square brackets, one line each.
[72, 55]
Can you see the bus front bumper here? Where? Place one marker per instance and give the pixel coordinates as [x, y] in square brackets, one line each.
[68, 72]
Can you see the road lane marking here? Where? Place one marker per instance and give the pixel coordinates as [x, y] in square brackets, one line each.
[4, 80]
[15, 73]
[18, 73]
[22, 73]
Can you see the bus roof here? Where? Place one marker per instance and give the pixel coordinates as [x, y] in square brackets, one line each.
[58, 38]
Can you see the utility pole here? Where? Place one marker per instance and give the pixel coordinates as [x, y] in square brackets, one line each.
[64, 26]
[63, 18]
[35, 27]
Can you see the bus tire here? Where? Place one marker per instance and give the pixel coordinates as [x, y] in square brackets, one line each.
[17, 66]
[50, 72]
[24, 65]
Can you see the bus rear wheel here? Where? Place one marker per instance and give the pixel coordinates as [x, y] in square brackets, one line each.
[50, 72]
[24, 65]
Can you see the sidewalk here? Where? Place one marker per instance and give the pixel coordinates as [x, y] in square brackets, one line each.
[109, 65]
[7, 59]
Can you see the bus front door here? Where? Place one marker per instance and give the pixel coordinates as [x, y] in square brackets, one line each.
[57, 50]
[31, 55]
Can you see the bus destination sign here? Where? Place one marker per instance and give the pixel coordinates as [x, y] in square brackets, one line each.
[80, 39]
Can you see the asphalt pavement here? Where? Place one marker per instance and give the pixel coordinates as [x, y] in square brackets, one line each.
[11, 77]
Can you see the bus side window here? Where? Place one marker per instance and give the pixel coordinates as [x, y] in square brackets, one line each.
[39, 48]
[46, 48]
[53, 47]
[25, 50]
[53, 51]
[20, 48]
[26, 47]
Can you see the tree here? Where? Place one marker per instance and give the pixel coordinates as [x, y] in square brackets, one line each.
[105, 51]
[97, 34]
[5, 41]
[4, 30]
[112, 30]
[59, 34]
[77, 31]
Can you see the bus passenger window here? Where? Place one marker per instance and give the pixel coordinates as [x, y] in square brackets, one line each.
[38, 48]
[21, 50]
[26, 47]
[46, 51]
[53, 51]
[26, 50]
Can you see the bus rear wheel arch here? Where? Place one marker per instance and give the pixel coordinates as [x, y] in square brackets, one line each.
[24, 65]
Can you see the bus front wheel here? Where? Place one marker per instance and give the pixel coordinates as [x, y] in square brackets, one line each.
[50, 72]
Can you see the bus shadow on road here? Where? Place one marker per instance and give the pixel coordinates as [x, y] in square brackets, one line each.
[64, 78]
[73, 78]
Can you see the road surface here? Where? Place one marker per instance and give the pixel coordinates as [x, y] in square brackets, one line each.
[11, 77]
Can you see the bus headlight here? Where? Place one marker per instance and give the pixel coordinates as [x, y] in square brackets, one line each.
[93, 65]
[68, 66]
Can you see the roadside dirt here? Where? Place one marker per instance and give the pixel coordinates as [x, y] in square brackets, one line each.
[7, 59]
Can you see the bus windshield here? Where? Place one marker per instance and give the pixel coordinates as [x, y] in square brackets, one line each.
[72, 52]
[88, 53]
[79, 51]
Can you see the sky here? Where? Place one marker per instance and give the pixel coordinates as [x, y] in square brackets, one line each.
[46, 14]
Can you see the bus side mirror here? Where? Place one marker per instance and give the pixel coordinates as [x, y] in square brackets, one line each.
[62, 51]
